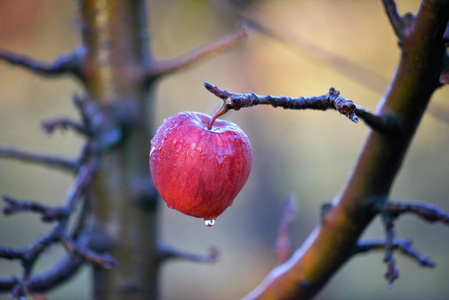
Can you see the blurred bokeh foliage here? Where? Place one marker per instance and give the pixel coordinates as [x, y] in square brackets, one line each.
[307, 153]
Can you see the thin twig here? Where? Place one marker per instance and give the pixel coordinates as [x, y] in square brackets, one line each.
[48, 213]
[64, 64]
[403, 245]
[394, 17]
[386, 124]
[222, 44]
[425, 211]
[167, 253]
[83, 181]
[332, 100]
[283, 239]
[60, 273]
[392, 271]
[47, 160]
[82, 105]
[102, 260]
[52, 124]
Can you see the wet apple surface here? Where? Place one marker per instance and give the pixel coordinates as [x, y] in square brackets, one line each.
[198, 171]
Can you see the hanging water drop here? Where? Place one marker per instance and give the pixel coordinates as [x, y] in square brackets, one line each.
[209, 223]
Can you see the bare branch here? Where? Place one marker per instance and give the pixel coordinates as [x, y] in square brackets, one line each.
[332, 100]
[83, 181]
[59, 274]
[64, 64]
[404, 246]
[10, 253]
[425, 211]
[47, 160]
[283, 240]
[385, 124]
[392, 271]
[48, 213]
[167, 253]
[51, 125]
[222, 44]
[101, 260]
[394, 17]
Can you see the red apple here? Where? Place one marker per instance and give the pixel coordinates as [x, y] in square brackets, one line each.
[199, 171]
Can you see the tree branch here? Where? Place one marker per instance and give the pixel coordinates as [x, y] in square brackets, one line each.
[222, 44]
[64, 64]
[386, 124]
[48, 213]
[392, 271]
[52, 124]
[57, 275]
[283, 240]
[394, 17]
[333, 241]
[404, 246]
[101, 260]
[47, 160]
[167, 253]
[425, 211]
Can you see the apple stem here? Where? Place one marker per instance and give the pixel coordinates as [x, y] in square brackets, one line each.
[221, 111]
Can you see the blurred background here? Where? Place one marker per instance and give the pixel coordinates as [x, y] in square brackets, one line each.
[307, 153]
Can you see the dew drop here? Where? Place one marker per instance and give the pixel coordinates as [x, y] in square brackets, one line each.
[221, 159]
[209, 223]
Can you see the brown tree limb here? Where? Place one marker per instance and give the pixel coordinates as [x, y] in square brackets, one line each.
[64, 64]
[333, 242]
[394, 17]
[386, 124]
[116, 78]
[166, 67]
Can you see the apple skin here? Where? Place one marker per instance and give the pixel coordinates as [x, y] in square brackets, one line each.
[198, 171]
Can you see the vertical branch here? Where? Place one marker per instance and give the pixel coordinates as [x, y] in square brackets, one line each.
[115, 39]
[332, 243]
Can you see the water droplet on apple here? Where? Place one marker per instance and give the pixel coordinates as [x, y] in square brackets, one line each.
[221, 159]
[209, 223]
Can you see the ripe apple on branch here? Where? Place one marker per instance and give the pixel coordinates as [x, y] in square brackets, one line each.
[199, 164]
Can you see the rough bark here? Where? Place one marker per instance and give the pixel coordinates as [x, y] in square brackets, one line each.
[115, 42]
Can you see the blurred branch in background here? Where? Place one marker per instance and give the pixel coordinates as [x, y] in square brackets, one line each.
[65, 64]
[166, 67]
[284, 246]
[76, 240]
